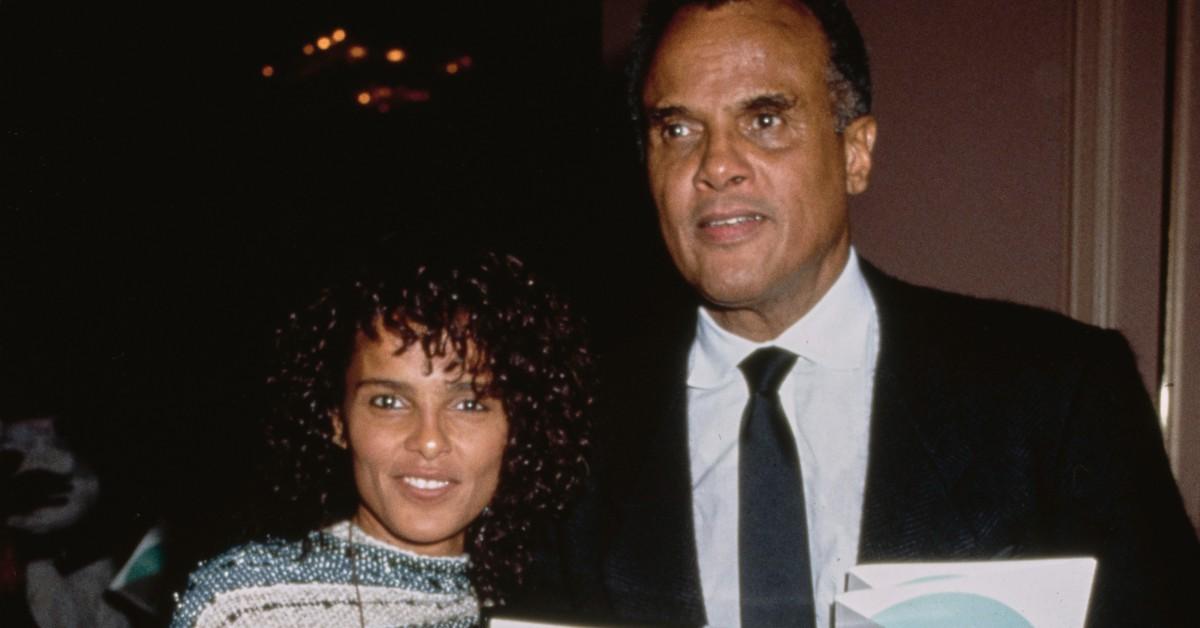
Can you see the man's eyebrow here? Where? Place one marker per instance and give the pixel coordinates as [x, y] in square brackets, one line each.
[658, 114]
[776, 102]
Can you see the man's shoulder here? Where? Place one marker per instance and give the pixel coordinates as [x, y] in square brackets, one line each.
[654, 347]
[940, 320]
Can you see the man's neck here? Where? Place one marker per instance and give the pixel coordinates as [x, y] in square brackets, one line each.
[769, 318]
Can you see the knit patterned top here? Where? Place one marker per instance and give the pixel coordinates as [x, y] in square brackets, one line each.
[346, 579]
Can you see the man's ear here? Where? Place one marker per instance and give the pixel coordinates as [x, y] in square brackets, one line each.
[339, 429]
[858, 140]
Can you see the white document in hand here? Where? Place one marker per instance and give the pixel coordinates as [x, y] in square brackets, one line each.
[1050, 593]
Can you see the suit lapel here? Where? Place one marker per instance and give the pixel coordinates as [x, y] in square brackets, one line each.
[915, 451]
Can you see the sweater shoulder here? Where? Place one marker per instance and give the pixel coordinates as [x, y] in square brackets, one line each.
[256, 563]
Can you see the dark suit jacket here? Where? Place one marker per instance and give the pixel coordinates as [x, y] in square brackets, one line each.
[997, 431]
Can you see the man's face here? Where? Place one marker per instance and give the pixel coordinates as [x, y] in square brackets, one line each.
[747, 170]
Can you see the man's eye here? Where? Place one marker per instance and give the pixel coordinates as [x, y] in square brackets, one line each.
[470, 405]
[766, 120]
[386, 402]
[675, 131]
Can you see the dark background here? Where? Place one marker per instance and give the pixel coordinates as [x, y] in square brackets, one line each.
[163, 204]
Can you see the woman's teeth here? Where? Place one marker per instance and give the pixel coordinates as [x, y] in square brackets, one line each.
[425, 484]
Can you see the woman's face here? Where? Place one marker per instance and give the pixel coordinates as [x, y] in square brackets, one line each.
[426, 449]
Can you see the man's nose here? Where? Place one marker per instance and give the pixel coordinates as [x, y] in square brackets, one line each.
[722, 164]
[428, 438]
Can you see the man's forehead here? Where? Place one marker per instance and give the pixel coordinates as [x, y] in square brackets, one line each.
[759, 7]
[761, 18]
[738, 50]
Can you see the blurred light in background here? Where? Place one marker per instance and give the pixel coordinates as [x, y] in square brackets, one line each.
[373, 85]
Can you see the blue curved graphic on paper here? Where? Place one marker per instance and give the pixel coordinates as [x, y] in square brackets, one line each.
[951, 610]
[930, 579]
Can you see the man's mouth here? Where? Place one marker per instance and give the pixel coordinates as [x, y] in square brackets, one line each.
[732, 221]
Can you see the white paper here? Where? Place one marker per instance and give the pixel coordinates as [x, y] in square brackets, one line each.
[1051, 593]
[517, 623]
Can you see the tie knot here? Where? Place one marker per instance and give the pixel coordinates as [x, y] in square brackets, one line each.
[765, 368]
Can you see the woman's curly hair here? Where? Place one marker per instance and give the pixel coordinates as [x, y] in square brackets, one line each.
[519, 332]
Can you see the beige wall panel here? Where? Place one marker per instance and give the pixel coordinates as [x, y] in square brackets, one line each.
[970, 187]
[1182, 363]
[1135, 306]
[1020, 154]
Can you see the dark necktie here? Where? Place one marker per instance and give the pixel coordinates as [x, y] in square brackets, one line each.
[773, 564]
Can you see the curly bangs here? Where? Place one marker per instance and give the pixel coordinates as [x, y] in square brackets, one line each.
[516, 338]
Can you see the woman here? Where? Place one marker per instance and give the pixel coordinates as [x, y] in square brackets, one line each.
[432, 417]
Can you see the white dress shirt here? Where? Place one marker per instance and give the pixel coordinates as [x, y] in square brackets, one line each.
[827, 399]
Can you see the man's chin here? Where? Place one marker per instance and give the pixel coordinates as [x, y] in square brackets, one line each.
[731, 294]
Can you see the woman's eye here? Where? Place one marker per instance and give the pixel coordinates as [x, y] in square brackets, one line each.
[470, 405]
[386, 402]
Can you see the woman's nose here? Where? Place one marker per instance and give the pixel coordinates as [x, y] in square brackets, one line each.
[428, 438]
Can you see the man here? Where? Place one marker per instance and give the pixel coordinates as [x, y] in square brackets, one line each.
[911, 424]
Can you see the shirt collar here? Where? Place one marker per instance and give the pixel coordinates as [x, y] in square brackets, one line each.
[831, 334]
